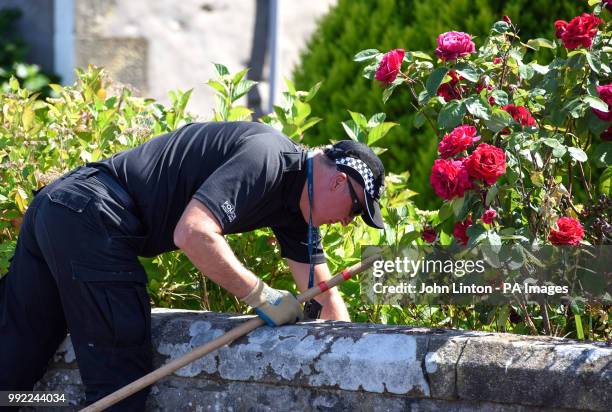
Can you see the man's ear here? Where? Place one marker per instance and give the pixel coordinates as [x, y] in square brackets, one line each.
[338, 180]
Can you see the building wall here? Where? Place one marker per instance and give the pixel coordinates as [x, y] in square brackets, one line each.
[36, 28]
[161, 45]
[174, 44]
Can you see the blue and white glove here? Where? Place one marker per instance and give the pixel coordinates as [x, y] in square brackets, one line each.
[275, 306]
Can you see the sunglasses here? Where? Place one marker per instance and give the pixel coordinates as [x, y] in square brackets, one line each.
[356, 208]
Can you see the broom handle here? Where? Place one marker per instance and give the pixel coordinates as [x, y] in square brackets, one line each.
[223, 340]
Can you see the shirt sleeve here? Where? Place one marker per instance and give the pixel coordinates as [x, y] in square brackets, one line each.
[240, 184]
[293, 243]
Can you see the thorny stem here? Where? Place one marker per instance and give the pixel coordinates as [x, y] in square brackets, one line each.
[545, 318]
[528, 320]
[584, 182]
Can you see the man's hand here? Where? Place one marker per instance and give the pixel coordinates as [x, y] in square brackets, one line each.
[276, 307]
[334, 307]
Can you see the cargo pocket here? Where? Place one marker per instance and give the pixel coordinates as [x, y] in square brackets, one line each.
[72, 200]
[117, 312]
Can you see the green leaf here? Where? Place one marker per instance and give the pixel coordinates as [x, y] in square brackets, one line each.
[594, 62]
[526, 71]
[238, 76]
[500, 97]
[602, 155]
[451, 114]
[359, 119]
[434, 80]
[376, 119]
[457, 205]
[221, 69]
[500, 119]
[419, 120]
[476, 234]
[239, 113]
[540, 42]
[370, 70]
[477, 108]
[559, 151]
[577, 154]
[491, 193]
[539, 68]
[313, 91]
[309, 123]
[388, 92]
[420, 55]
[468, 72]
[578, 321]
[290, 87]
[445, 211]
[605, 182]
[550, 142]
[596, 103]
[217, 86]
[366, 55]
[379, 132]
[243, 88]
[85, 155]
[14, 84]
[352, 130]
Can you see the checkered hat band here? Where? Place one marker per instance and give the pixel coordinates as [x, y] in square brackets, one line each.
[363, 169]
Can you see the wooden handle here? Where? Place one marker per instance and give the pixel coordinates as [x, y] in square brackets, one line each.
[223, 340]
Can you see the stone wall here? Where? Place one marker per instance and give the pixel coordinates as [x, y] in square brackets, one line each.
[345, 366]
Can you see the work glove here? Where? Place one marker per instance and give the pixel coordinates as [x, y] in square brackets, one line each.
[275, 306]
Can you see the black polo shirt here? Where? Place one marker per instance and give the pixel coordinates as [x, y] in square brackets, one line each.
[248, 175]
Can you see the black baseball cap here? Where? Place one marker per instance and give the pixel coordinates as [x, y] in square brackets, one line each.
[361, 163]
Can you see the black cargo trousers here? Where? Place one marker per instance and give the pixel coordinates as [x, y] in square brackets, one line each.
[75, 269]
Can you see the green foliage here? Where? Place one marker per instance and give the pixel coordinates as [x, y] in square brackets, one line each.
[414, 25]
[292, 116]
[41, 140]
[13, 55]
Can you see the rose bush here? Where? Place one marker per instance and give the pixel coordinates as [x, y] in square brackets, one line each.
[523, 144]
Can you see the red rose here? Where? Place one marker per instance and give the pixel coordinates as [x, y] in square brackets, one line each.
[389, 66]
[486, 163]
[497, 60]
[605, 94]
[521, 114]
[429, 235]
[579, 31]
[449, 178]
[459, 231]
[452, 90]
[569, 231]
[606, 134]
[457, 141]
[488, 216]
[454, 44]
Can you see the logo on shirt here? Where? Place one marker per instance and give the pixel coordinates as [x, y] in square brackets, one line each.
[229, 210]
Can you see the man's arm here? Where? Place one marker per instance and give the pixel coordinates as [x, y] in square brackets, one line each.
[200, 236]
[334, 307]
